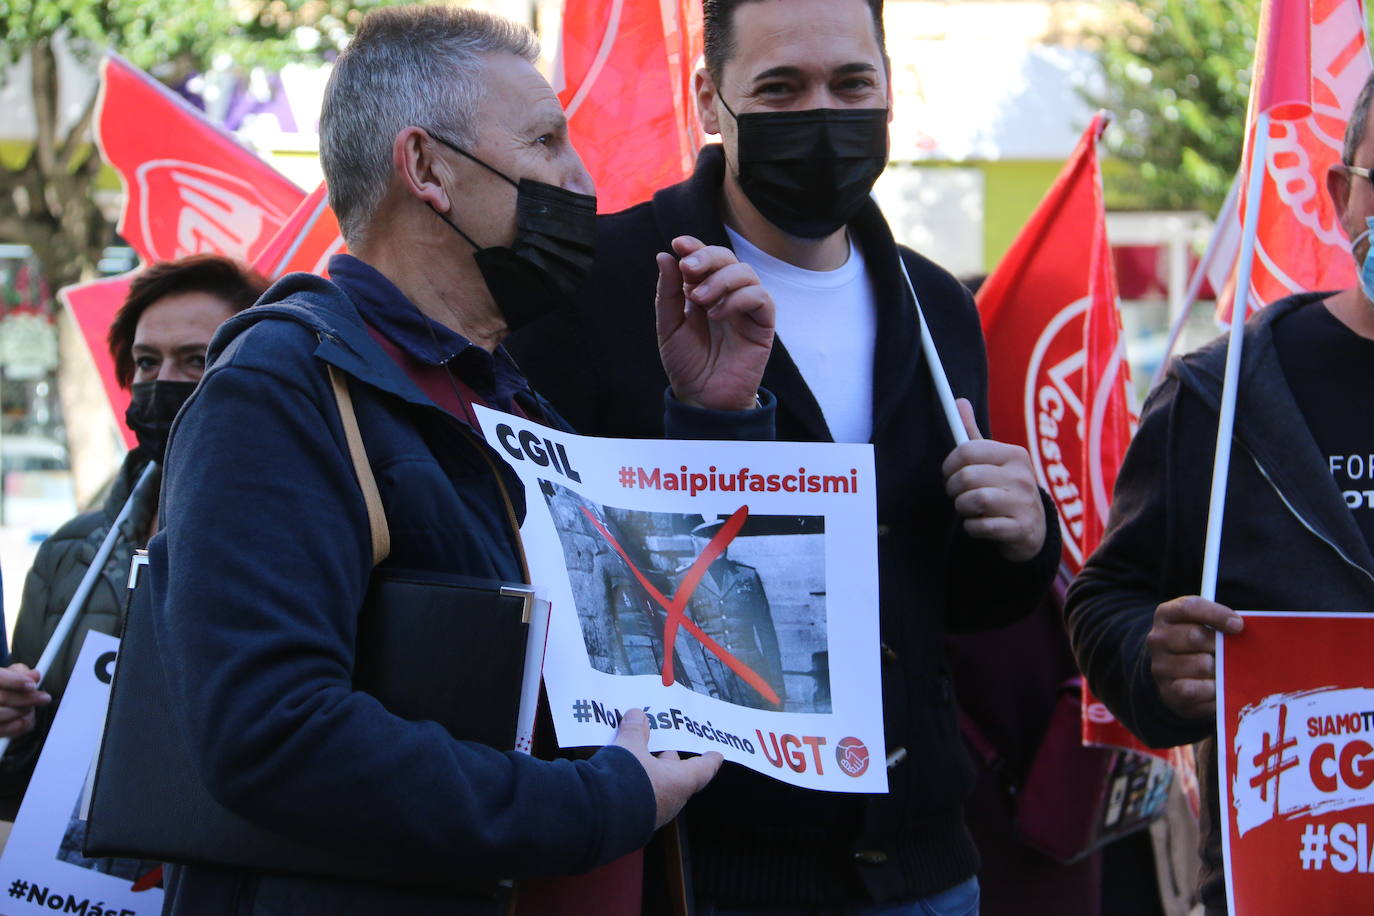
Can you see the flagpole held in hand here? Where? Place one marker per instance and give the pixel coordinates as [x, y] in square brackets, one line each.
[87, 585]
[937, 368]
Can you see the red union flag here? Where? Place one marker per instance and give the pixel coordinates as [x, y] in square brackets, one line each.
[1059, 380]
[93, 306]
[1058, 375]
[189, 186]
[305, 242]
[624, 76]
[1300, 245]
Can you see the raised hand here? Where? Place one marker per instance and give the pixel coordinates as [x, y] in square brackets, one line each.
[715, 325]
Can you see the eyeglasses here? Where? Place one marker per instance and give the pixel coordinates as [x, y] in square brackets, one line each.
[1366, 174]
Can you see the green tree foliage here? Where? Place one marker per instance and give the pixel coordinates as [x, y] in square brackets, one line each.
[1177, 77]
[46, 200]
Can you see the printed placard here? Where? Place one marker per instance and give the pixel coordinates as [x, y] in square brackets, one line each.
[1295, 724]
[729, 589]
[42, 869]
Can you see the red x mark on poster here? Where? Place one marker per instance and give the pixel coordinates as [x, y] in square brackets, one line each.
[677, 605]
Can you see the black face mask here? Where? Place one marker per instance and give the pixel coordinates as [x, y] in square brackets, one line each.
[809, 172]
[555, 244]
[152, 410]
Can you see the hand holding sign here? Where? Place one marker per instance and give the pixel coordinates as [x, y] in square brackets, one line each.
[994, 491]
[19, 696]
[674, 780]
[1182, 646]
[715, 325]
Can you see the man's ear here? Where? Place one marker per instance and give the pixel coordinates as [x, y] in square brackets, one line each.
[705, 90]
[417, 165]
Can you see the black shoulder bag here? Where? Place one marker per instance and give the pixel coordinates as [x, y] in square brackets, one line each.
[430, 647]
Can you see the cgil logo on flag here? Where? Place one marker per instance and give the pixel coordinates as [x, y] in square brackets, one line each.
[1300, 245]
[215, 212]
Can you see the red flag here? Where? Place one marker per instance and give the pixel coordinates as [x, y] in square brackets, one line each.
[189, 186]
[1282, 81]
[93, 306]
[305, 242]
[1311, 59]
[1058, 377]
[1059, 380]
[624, 76]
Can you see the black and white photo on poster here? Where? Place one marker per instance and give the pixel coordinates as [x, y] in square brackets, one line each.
[762, 600]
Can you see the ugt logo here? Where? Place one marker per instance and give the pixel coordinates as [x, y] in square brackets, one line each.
[216, 212]
[852, 756]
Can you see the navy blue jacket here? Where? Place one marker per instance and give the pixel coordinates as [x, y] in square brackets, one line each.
[258, 576]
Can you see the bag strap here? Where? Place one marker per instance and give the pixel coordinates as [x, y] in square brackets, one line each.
[376, 513]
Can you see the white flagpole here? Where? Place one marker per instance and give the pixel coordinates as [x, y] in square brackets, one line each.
[1221, 467]
[937, 368]
[87, 584]
[1228, 213]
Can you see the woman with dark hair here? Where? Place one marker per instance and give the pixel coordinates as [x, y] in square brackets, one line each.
[158, 341]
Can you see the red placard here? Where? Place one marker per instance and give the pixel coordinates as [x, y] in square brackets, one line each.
[1295, 720]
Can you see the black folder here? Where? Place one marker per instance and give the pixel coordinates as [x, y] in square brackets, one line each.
[430, 647]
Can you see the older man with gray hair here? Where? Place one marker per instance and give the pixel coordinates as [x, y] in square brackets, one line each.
[467, 213]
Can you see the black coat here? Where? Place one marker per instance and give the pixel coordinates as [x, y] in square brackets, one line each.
[756, 841]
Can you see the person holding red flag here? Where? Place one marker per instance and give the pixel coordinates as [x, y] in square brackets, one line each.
[1299, 525]
[799, 92]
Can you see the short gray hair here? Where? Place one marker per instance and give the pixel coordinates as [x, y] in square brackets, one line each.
[412, 66]
[1359, 118]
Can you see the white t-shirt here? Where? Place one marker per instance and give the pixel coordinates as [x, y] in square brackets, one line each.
[828, 320]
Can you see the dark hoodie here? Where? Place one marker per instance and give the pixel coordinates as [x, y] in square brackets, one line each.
[1288, 543]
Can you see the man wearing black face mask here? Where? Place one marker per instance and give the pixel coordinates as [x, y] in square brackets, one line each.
[157, 341]
[466, 212]
[799, 92]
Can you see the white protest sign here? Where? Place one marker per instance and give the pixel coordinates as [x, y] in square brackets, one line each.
[729, 589]
[42, 869]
